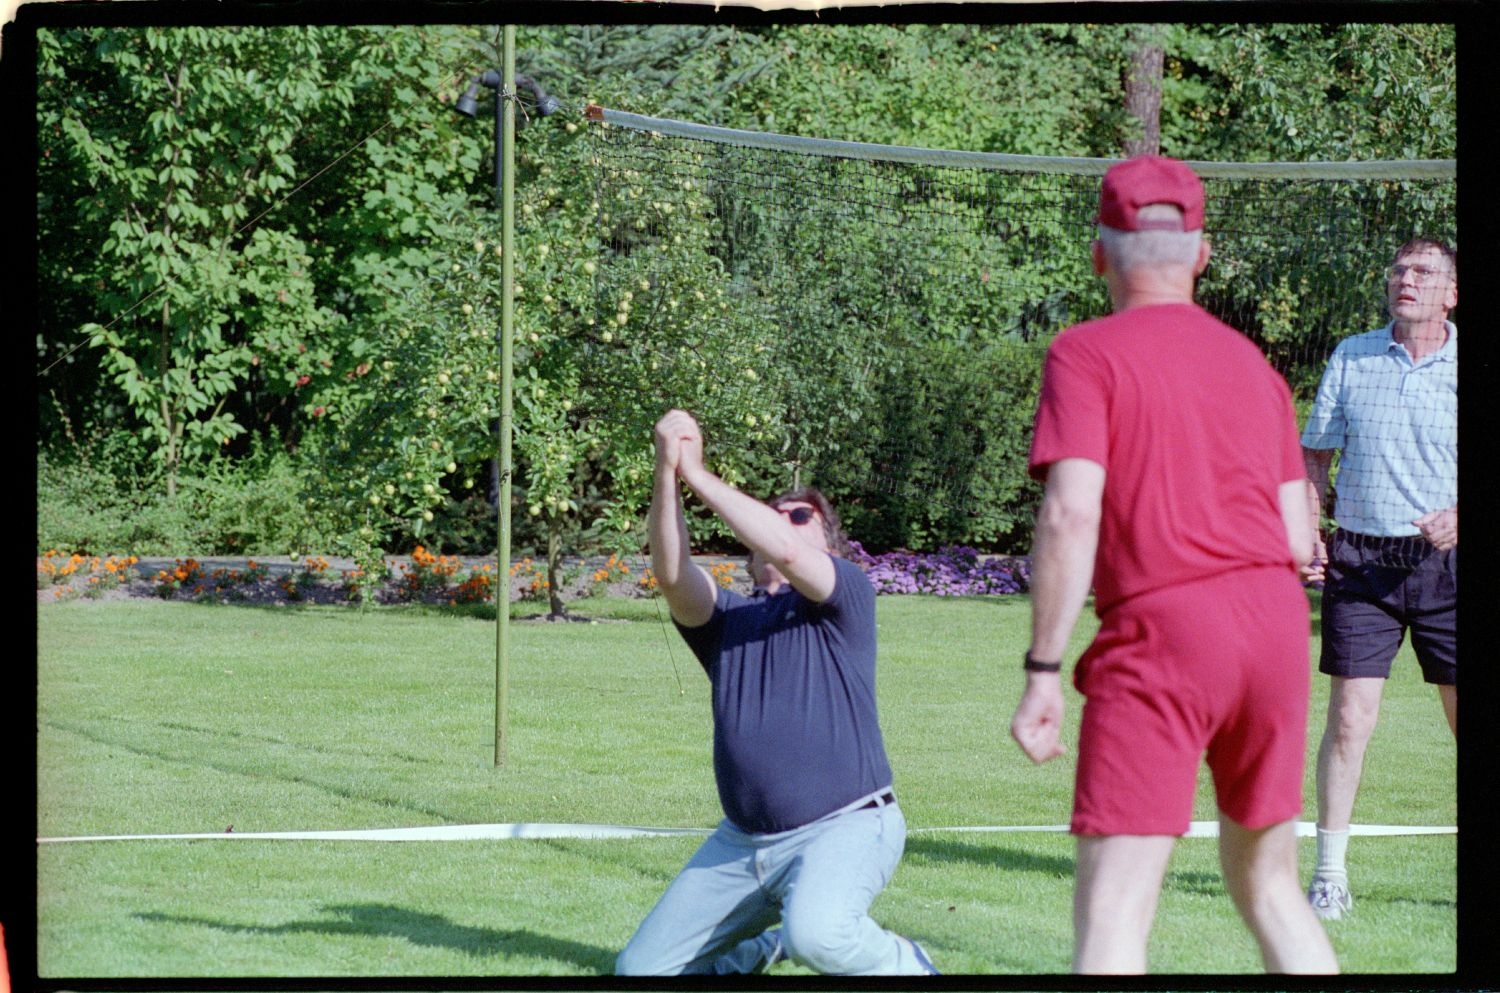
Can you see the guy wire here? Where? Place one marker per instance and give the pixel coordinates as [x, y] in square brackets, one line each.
[667, 638]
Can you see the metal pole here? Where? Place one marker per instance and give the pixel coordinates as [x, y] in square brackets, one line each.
[506, 109]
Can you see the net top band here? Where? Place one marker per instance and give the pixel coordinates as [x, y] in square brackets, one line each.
[1392, 169]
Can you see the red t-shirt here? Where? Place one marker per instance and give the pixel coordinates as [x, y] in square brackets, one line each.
[1195, 431]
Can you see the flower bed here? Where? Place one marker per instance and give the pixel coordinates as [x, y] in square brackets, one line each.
[954, 570]
[65, 576]
[425, 577]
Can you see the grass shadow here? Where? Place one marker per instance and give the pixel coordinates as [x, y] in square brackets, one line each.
[1195, 882]
[937, 851]
[420, 929]
[237, 767]
[1406, 901]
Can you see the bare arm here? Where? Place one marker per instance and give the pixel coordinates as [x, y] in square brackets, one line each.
[1301, 534]
[810, 570]
[1318, 462]
[688, 589]
[1062, 569]
[1062, 554]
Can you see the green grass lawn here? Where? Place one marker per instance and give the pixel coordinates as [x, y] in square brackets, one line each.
[157, 718]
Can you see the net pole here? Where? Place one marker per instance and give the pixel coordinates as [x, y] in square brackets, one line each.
[506, 116]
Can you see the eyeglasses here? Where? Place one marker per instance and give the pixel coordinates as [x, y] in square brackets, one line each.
[798, 515]
[1419, 273]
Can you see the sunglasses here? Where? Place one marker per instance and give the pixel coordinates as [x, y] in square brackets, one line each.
[798, 515]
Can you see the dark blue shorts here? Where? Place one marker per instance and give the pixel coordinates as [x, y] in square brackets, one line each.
[1378, 589]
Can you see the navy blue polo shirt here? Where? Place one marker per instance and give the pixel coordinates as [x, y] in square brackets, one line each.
[796, 733]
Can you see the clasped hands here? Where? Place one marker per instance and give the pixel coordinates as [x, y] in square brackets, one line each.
[679, 444]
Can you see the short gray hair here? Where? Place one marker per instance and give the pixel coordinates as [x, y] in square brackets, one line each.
[1127, 250]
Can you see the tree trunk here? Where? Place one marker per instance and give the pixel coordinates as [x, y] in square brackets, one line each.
[554, 568]
[170, 454]
[1143, 93]
[171, 423]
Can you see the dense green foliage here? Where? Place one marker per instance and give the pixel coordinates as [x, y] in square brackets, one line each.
[93, 499]
[147, 204]
[282, 240]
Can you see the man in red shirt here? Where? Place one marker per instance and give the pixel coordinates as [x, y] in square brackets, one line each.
[1174, 485]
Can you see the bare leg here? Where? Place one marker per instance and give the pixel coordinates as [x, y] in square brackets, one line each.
[1449, 696]
[1260, 872]
[1353, 707]
[1114, 900]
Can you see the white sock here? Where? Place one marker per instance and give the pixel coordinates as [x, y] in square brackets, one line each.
[1331, 848]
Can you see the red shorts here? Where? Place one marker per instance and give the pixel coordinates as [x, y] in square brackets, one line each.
[1219, 665]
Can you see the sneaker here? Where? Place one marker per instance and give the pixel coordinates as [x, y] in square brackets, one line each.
[920, 954]
[1330, 900]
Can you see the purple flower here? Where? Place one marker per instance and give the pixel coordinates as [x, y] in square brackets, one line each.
[953, 570]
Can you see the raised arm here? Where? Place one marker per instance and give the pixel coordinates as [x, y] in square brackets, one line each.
[769, 535]
[689, 590]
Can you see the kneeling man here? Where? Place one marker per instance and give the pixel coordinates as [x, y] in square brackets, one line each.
[812, 832]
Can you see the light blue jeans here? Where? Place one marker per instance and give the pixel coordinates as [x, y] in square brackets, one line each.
[817, 881]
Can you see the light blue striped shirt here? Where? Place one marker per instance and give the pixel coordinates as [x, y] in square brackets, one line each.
[1395, 423]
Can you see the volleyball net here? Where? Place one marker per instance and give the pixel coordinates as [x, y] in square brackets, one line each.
[896, 302]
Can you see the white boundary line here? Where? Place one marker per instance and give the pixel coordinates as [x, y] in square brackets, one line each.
[1210, 829]
[499, 832]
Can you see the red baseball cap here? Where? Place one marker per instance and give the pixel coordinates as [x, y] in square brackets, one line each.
[1146, 179]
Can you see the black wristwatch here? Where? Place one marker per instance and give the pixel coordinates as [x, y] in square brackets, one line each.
[1032, 665]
